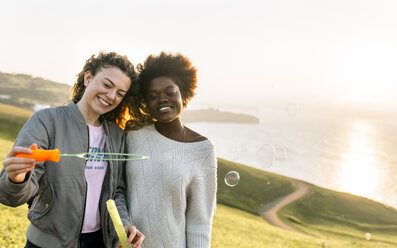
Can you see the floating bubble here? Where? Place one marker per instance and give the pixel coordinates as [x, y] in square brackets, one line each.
[368, 236]
[233, 153]
[265, 155]
[232, 178]
[292, 109]
[268, 183]
[280, 153]
[244, 148]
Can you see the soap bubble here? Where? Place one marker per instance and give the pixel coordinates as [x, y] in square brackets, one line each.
[292, 109]
[232, 178]
[368, 236]
[265, 155]
[280, 153]
[243, 148]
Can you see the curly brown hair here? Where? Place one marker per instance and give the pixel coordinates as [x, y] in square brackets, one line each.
[174, 66]
[105, 60]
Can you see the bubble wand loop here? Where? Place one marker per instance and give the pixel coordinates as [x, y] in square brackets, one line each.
[55, 155]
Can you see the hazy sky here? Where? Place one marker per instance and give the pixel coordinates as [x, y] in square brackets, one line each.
[247, 52]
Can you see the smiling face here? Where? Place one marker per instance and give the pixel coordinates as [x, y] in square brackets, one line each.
[164, 100]
[103, 92]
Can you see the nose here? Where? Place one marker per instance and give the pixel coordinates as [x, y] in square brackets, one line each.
[111, 94]
[163, 98]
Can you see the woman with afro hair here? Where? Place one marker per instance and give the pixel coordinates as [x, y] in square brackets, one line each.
[172, 195]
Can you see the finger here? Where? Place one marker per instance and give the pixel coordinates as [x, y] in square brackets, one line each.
[16, 173]
[131, 234]
[33, 146]
[139, 242]
[18, 161]
[18, 149]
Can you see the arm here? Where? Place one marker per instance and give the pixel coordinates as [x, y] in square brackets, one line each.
[19, 177]
[119, 197]
[201, 203]
[133, 234]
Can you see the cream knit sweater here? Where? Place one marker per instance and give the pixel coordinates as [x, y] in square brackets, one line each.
[172, 195]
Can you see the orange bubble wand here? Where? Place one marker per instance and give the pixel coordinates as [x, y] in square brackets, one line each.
[55, 155]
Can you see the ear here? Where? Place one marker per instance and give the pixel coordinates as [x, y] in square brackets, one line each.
[87, 78]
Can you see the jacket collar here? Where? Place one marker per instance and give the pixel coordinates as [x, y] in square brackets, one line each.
[79, 116]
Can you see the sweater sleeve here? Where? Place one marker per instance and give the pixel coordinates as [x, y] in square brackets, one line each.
[201, 203]
[16, 194]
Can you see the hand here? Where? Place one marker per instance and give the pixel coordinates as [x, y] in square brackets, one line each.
[16, 167]
[135, 237]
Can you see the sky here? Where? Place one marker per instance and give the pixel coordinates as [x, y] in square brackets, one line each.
[250, 53]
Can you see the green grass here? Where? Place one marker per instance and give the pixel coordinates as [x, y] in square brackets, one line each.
[11, 120]
[236, 228]
[324, 212]
[328, 218]
[256, 187]
[13, 221]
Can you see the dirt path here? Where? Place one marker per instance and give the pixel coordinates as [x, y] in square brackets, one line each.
[269, 211]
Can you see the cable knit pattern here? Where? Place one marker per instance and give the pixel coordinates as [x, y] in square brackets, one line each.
[171, 196]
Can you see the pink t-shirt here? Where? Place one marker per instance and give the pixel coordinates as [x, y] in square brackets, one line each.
[95, 170]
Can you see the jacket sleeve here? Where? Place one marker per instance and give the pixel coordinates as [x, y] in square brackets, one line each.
[201, 204]
[35, 130]
[119, 197]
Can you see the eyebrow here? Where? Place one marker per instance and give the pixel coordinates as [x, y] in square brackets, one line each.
[169, 87]
[109, 80]
[113, 83]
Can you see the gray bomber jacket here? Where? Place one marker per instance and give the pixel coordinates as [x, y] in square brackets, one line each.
[57, 191]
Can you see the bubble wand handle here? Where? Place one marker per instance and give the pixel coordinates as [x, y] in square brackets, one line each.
[118, 225]
[42, 155]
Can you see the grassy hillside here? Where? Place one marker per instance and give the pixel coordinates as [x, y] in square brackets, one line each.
[25, 91]
[328, 218]
[322, 213]
[236, 228]
[256, 187]
[11, 120]
[327, 213]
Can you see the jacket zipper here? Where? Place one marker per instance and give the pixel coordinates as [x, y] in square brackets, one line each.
[85, 195]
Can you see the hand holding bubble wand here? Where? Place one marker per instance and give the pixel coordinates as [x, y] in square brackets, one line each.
[55, 155]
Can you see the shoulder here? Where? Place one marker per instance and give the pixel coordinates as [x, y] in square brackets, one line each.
[193, 136]
[142, 133]
[205, 149]
[47, 114]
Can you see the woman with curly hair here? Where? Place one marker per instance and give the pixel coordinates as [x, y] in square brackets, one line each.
[67, 200]
[172, 195]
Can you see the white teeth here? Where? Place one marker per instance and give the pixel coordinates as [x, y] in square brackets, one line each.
[164, 108]
[103, 102]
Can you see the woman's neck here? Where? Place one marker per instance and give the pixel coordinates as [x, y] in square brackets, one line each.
[90, 118]
[174, 130]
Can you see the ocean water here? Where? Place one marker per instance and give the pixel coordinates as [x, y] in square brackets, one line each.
[348, 154]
